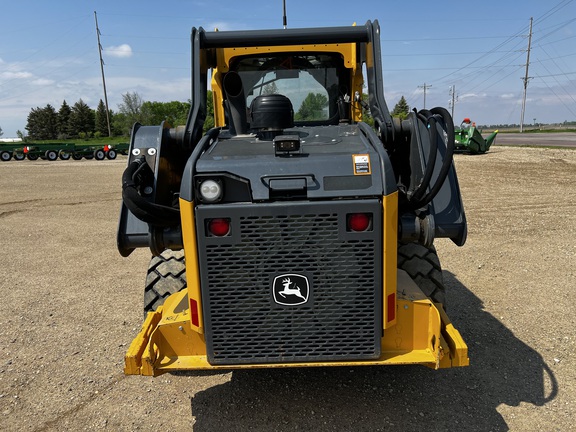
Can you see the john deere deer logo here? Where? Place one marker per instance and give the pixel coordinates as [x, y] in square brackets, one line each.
[290, 289]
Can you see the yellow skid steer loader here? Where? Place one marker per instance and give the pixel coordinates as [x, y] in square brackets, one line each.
[298, 231]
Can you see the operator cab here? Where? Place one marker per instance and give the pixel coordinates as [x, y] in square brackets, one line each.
[266, 93]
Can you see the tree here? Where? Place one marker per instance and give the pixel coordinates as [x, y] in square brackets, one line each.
[130, 112]
[312, 108]
[82, 119]
[366, 114]
[401, 109]
[63, 127]
[42, 123]
[209, 122]
[175, 112]
[101, 121]
[270, 88]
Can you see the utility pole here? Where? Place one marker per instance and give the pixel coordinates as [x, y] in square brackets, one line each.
[453, 98]
[284, 19]
[425, 87]
[526, 78]
[103, 80]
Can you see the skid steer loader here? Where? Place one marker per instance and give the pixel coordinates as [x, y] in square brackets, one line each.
[292, 233]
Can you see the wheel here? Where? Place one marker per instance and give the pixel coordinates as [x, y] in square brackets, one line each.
[99, 154]
[5, 156]
[76, 156]
[51, 155]
[19, 156]
[423, 266]
[64, 155]
[32, 156]
[89, 156]
[166, 275]
[111, 154]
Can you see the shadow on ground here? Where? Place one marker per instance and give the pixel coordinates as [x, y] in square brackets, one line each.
[504, 370]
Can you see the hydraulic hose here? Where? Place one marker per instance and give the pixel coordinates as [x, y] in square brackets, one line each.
[143, 209]
[427, 118]
[432, 118]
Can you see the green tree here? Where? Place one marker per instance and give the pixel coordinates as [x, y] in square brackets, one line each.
[401, 109]
[64, 129]
[42, 123]
[82, 119]
[175, 112]
[366, 114]
[129, 112]
[209, 122]
[101, 121]
[312, 108]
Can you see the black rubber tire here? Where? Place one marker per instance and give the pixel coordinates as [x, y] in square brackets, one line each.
[99, 154]
[166, 276]
[76, 156]
[51, 155]
[5, 156]
[423, 266]
[32, 157]
[111, 154]
[89, 156]
[19, 156]
[64, 155]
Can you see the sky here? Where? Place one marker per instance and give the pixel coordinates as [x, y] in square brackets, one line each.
[476, 50]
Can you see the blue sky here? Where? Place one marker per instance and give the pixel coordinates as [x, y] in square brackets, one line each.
[48, 51]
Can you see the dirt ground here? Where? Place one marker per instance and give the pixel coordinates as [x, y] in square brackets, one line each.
[71, 305]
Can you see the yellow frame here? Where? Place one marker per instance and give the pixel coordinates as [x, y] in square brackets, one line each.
[225, 55]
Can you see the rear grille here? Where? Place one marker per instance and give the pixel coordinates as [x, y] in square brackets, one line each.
[341, 319]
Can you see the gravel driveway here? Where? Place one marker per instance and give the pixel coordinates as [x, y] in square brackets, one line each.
[71, 305]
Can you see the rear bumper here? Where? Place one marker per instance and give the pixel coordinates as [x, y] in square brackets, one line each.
[422, 335]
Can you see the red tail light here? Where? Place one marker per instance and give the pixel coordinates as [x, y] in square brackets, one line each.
[359, 222]
[219, 227]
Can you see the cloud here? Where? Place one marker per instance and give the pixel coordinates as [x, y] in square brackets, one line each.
[15, 75]
[119, 51]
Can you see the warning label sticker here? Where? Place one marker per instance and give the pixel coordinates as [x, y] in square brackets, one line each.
[361, 164]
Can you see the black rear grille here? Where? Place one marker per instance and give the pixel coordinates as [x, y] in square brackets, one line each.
[341, 319]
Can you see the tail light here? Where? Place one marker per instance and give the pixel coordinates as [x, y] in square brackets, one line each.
[219, 227]
[359, 222]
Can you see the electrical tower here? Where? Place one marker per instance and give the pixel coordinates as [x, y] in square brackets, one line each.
[103, 80]
[425, 87]
[453, 99]
[526, 78]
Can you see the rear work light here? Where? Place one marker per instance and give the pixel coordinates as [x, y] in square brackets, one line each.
[210, 191]
[219, 227]
[359, 222]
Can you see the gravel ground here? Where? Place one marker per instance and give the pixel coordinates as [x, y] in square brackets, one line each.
[71, 305]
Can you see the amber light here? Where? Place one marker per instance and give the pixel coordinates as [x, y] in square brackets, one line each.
[359, 222]
[219, 227]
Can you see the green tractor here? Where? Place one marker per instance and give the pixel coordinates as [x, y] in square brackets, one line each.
[468, 138]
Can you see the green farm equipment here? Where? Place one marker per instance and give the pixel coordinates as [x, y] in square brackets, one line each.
[468, 138]
[64, 151]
